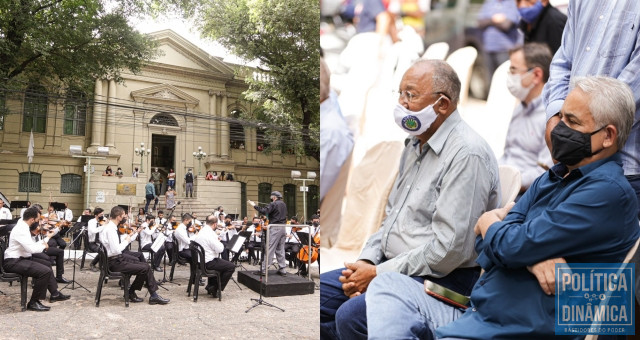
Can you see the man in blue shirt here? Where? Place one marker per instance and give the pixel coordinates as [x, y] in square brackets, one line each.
[582, 211]
[149, 194]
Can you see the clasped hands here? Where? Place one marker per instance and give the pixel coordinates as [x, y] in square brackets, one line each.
[356, 277]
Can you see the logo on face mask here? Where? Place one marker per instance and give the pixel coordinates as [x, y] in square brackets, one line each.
[415, 123]
[410, 123]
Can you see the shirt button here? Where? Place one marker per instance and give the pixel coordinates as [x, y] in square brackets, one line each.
[588, 48]
[408, 186]
[418, 163]
[473, 309]
[600, 17]
[397, 211]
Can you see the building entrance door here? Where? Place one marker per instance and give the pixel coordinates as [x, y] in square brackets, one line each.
[163, 151]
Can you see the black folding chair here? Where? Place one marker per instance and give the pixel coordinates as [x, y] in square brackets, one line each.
[11, 277]
[105, 274]
[199, 269]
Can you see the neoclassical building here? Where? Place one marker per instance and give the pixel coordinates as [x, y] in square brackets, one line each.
[184, 101]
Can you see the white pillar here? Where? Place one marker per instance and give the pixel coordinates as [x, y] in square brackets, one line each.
[213, 123]
[224, 130]
[111, 115]
[97, 125]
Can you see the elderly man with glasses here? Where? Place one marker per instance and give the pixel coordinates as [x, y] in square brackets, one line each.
[448, 177]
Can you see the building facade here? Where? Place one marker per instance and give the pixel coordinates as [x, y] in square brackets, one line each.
[184, 101]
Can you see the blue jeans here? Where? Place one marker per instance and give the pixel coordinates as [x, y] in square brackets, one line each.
[399, 308]
[340, 317]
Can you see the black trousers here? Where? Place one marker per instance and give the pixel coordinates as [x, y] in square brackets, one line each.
[55, 254]
[225, 252]
[37, 268]
[185, 253]
[168, 246]
[94, 248]
[226, 270]
[128, 264]
[135, 254]
[59, 242]
[157, 256]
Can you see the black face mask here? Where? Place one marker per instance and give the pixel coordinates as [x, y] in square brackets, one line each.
[34, 226]
[570, 146]
[256, 224]
[188, 225]
[315, 224]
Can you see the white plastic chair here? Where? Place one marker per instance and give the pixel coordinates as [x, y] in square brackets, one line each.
[510, 182]
[437, 50]
[461, 60]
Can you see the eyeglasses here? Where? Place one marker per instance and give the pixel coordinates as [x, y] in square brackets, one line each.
[513, 70]
[411, 96]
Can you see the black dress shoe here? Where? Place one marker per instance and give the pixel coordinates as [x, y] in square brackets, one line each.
[59, 297]
[282, 272]
[158, 300]
[61, 279]
[134, 298]
[202, 282]
[93, 268]
[213, 291]
[158, 269]
[37, 306]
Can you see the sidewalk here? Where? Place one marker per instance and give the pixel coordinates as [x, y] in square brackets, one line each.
[79, 318]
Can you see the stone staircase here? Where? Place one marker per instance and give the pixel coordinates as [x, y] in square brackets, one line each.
[187, 205]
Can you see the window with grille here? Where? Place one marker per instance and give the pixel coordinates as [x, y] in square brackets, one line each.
[35, 109]
[164, 119]
[236, 131]
[289, 198]
[71, 184]
[75, 113]
[264, 192]
[29, 182]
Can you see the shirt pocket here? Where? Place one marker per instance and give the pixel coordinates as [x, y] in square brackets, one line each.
[620, 35]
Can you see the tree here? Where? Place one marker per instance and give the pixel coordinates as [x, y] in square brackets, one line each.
[282, 35]
[71, 42]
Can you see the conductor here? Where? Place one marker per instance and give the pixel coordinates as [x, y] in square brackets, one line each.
[277, 214]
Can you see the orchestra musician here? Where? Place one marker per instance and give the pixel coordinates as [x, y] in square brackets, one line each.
[226, 233]
[253, 243]
[277, 212]
[209, 240]
[292, 246]
[182, 236]
[52, 252]
[146, 241]
[125, 263]
[5, 213]
[168, 232]
[56, 240]
[18, 258]
[94, 227]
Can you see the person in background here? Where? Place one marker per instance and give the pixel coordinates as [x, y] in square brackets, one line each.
[498, 20]
[119, 172]
[209, 176]
[336, 140]
[223, 176]
[170, 198]
[134, 174]
[412, 13]
[157, 180]
[171, 179]
[525, 147]
[108, 171]
[188, 180]
[540, 22]
[23, 209]
[373, 16]
[215, 176]
[150, 194]
[5, 213]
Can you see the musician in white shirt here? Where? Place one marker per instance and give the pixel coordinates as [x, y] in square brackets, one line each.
[147, 236]
[209, 240]
[68, 214]
[125, 263]
[168, 232]
[5, 213]
[93, 229]
[18, 259]
[227, 232]
[23, 209]
[182, 236]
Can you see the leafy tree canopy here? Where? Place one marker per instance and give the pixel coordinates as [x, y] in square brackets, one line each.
[71, 41]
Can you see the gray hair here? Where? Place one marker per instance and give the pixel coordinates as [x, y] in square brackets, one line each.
[443, 78]
[611, 101]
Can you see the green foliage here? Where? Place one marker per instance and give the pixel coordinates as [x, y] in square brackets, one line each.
[69, 41]
[282, 35]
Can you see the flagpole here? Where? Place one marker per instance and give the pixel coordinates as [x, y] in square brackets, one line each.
[29, 181]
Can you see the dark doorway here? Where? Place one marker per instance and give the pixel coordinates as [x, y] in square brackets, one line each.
[163, 151]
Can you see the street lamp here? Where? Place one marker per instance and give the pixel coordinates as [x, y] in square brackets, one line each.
[76, 152]
[142, 152]
[199, 156]
[311, 176]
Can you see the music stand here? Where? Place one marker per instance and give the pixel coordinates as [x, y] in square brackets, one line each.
[73, 282]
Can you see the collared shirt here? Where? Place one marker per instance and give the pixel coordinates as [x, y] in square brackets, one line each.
[109, 238]
[93, 229]
[208, 239]
[336, 142]
[149, 189]
[600, 38]
[68, 215]
[525, 145]
[182, 236]
[21, 244]
[436, 199]
[367, 17]
[146, 236]
[495, 40]
[589, 216]
[5, 213]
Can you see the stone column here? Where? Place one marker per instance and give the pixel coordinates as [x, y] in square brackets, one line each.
[224, 130]
[97, 125]
[213, 123]
[111, 115]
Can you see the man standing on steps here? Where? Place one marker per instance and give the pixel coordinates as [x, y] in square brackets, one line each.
[188, 180]
[157, 180]
[150, 194]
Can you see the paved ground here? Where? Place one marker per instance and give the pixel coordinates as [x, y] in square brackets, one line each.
[78, 318]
